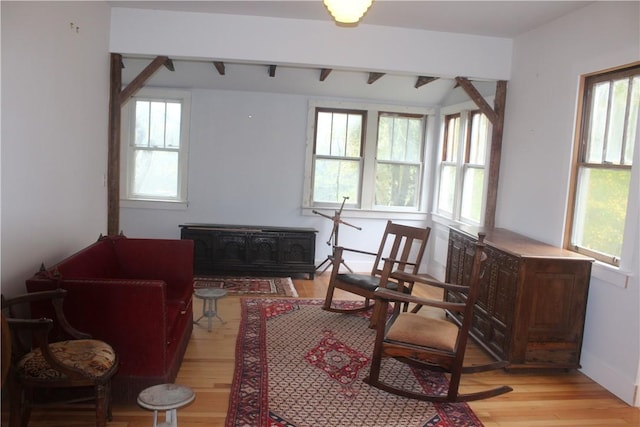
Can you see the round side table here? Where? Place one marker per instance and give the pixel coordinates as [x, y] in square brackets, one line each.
[165, 397]
[210, 297]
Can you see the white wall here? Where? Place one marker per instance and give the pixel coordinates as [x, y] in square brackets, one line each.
[55, 91]
[246, 166]
[536, 161]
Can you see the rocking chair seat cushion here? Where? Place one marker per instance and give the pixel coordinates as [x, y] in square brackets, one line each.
[365, 281]
[416, 329]
[94, 358]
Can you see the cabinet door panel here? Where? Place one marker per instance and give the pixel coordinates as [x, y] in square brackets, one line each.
[202, 250]
[263, 249]
[230, 248]
[298, 249]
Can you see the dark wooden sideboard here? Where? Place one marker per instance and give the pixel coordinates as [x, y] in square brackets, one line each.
[247, 249]
[532, 301]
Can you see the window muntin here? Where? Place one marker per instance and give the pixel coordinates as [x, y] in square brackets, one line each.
[461, 192]
[338, 155]
[155, 145]
[399, 154]
[607, 135]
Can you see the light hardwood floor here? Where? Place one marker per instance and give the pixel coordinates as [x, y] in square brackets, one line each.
[551, 399]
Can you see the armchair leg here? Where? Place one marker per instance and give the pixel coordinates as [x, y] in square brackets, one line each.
[19, 411]
[102, 405]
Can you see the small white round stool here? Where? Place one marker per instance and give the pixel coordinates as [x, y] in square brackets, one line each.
[210, 297]
[165, 397]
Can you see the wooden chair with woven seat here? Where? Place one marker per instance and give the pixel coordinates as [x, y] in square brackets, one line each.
[402, 247]
[431, 342]
[40, 363]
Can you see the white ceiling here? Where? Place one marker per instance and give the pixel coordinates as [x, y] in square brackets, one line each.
[487, 18]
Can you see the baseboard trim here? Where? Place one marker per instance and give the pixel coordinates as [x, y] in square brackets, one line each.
[621, 385]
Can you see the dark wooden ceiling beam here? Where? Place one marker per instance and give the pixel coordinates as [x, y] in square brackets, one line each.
[324, 73]
[423, 80]
[373, 77]
[137, 83]
[169, 65]
[220, 67]
[272, 70]
[479, 100]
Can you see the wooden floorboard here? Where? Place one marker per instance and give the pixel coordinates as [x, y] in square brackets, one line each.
[549, 399]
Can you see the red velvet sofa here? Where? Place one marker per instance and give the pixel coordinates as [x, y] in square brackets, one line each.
[135, 294]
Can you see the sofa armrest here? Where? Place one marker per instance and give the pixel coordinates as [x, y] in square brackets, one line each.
[131, 315]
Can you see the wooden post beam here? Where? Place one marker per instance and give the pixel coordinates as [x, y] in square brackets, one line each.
[496, 154]
[113, 152]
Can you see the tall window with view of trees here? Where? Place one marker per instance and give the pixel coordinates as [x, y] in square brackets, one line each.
[461, 190]
[338, 155]
[607, 135]
[399, 159]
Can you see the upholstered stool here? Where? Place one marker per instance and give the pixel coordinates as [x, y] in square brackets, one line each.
[166, 397]
[210, 297]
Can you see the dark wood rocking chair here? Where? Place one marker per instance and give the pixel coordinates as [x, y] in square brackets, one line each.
[402, 247]
[40, 364]
[430, 343]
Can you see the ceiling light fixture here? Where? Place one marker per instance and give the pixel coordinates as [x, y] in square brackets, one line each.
[347, 11]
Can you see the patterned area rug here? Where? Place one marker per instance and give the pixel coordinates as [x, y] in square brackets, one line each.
[255, 286]
[297, 365]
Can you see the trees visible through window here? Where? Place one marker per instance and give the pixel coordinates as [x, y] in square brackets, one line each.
[461, 191]
[338, 155]
[375, 158]
[607, 135]
[399, 160]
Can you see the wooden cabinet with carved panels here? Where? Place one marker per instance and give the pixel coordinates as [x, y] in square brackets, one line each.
[241, 249]
[533, 299]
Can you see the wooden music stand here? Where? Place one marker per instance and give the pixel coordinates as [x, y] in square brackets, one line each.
[334, 234]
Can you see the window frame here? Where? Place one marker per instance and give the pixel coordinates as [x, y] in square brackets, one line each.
[420, 164]
[366, 208]
[127, 163]
[461, 163]
[579, 163]
[363, 113]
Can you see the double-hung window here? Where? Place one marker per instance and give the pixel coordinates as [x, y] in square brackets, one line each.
[399, 160]
[462, 188]
[606, 137]
[155, 146]
[369, 158]
[338, 156]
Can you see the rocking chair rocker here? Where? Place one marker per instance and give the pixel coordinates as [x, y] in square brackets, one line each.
[427, 342]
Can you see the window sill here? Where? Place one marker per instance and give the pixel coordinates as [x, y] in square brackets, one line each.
[368, 214]
[153, 204]
[610, 274]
